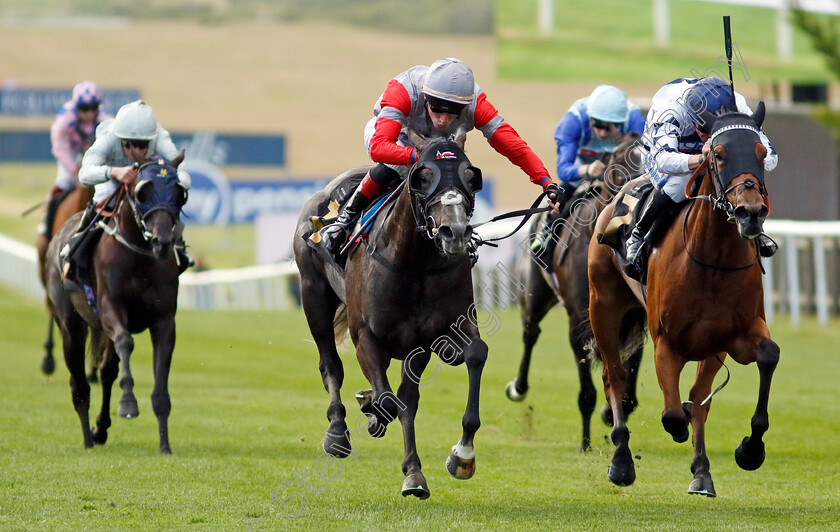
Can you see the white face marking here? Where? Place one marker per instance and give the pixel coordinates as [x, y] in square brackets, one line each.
[451, 198]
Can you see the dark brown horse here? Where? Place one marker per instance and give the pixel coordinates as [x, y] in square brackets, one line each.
[704, 300]
[73, 202]
[135, 284]
[406, 291]
[569, 283]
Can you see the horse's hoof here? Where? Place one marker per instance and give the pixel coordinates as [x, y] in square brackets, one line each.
[676, 426]
[607, 415]
[415, 484]
[622, 475]
[749, 461]
[512, 394]
[375, 428]
[337, 445]
[128, 409]
[460, 468]
[164, 449]
[99, 436]
[48, 365]
[702, 485]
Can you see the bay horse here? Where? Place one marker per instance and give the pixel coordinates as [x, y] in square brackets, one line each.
[406, 291]
[135, 287]
[704, 300]
[568, 283]
[73, 201]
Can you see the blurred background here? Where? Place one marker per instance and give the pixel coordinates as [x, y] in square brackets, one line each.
[270, 97]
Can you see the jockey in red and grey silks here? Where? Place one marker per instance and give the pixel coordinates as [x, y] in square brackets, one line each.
[402, 105]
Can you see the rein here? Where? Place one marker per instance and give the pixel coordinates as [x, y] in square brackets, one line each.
[525, 213]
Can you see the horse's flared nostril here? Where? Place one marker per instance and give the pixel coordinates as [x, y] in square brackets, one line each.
[447, 233]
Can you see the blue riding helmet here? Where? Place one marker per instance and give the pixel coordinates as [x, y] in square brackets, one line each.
[706, 100]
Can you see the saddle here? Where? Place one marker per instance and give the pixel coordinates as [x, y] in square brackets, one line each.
[327, 212]
[629, 206]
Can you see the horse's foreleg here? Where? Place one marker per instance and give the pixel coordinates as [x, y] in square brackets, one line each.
[163, 344]
[461, 461]
[750, 453]
[109, 371]
[669, 365]
[383, 406]
[409, 395]
[48, 362]
[535, 303]
[588, 396]
[702, 483]
[124, 345]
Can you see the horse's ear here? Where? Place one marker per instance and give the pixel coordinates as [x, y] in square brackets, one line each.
[460, 136]
[758, 115]
[418, 141]
[178, 158]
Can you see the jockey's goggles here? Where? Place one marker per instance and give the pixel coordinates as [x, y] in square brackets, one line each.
[133, 143]
[598, 124]
[438, 105]
[85, 107]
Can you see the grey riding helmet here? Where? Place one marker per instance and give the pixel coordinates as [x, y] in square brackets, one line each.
[449, 86]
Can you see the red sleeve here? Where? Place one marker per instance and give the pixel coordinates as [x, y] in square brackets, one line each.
[383, 144]
[508, 142]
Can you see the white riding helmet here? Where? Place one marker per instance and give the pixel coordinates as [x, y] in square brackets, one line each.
[135, 121]
[450, 79]
[608, 104]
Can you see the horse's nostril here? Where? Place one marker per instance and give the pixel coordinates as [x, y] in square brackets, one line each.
[446, 233]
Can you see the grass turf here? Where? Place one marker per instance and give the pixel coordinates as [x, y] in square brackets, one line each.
[248, 418]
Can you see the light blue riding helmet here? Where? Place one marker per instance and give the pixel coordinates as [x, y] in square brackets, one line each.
[608, 104]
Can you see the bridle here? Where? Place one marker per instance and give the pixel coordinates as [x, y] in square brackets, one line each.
[723, 187]
[139, 212]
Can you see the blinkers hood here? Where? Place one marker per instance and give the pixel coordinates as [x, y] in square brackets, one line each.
[158, 187]
[448, 165]
[738, 134]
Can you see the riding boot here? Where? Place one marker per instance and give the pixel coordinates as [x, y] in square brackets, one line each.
[336, 233]
[640, 236]
[75, 253]
[54, 199]
[182, 257]
[545, 240]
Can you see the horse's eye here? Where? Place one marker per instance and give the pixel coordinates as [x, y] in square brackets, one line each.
[426, 178]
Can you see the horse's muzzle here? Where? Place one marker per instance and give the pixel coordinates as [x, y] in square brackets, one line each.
[454, 238]
[750, 220]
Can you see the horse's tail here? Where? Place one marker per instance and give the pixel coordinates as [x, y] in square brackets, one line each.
[633, 334]
[340, 324]
[96, 348]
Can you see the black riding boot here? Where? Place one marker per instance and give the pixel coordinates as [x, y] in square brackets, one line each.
[641, 233]
[545, 240]
[182, 257]
[335, 234]
[75, 254]
[55, 199]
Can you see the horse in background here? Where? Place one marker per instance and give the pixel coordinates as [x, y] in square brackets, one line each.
[406, 290]
[704, 300]
[568, 283]
[135, 287]
[73, 201]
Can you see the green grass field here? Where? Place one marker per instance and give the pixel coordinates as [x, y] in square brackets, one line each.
[613, 40]
[249, 415]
